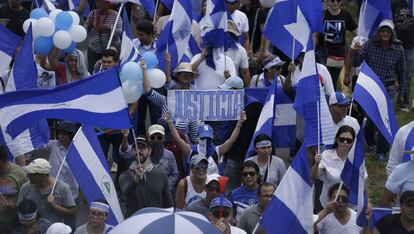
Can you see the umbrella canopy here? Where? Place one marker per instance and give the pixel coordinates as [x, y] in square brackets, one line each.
[162, 221]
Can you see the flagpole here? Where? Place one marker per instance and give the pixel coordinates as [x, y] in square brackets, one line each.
[57, 176]
[136, 146]
[293, 50]
[155, 12]
[339, 190]
[350, 107]
[256, 227]
[114, 28]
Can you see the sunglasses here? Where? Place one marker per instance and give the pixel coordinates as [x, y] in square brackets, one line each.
[218, 214]
[338, 1]
[213, 188]
[156, 138]
[199, 167]
[343, 199]
[345, 140]
[249, 173]
[385, 30]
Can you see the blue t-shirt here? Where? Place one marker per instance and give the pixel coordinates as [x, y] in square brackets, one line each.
[242, 198]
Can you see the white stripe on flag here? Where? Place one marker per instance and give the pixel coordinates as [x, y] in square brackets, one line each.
[267, 112]
[285, 115]
[91, 161]
[327, 124]
[375, 91]
[19, 145]
[5, 60]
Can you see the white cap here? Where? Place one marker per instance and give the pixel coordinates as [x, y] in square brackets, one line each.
[39, 165]
[212, 177]
[387, 23]
[59, 228]
[156, 128]
[233, 82]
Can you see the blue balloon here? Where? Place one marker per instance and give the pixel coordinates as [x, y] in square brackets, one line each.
[38, 13]
[131, 71]
[63, 20]
[43, 45]
[71, 48]
[150, 59]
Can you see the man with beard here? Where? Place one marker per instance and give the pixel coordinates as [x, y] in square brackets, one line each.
[160, 157]
[144, 185]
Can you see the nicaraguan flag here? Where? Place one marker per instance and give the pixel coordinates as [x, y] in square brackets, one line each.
[8, 45]
[371, 14]
[214, 24]
[353, 176]
[88, 165]
[23, 75]
[98, 101]
[380, 212]
[128, 52]
[290, 23]
[371, 95]
[177, 37]
[291, 208]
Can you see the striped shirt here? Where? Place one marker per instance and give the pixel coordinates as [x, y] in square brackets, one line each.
[99, 40]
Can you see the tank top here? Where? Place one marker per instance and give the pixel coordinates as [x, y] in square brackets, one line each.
[191, 195]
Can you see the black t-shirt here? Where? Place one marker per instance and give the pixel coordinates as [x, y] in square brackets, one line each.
[17, 19]
[253, 20]
[335, 27]
[404, 22]
[391, 224]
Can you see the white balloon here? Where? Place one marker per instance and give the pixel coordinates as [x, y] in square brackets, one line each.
[26, 24]
[75, 17]
[62, 39]
[78, 33]
[45, 27]
[53, 13]
[267, 3]
[131, 91]
[157, 78]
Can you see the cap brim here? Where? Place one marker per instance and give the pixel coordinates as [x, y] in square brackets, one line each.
[156, 131]
[225, 86]
[204, 135]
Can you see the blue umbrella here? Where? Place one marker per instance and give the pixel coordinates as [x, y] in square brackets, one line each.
[162, 221]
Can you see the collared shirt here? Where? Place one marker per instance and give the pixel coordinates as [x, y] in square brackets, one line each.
[144, 48]
[249, 219]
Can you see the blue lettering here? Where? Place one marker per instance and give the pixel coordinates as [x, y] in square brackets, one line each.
[178, 105]
[192, 105]
[220, 104]
[211, 96]
[201, 103]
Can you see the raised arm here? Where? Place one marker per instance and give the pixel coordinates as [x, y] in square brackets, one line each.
[186, 148]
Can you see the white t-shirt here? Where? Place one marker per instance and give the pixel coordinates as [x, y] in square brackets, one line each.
[331, 225]
[398, 147]
[239, 57]
[236, 230]
[241, 21]
[210, 78]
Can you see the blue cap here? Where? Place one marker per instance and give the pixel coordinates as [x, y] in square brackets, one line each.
[338, 98]
[218, 201]
[205, 131]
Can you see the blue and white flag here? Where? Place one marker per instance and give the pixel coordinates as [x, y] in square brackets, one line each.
[290, 23]
[353, 176]
[380, 212]
[214, 24]
[411, 6]
[291, 208]
[177, 37]
[87, 162]
[98, 101]
[408, 146]
[169, 4]
[74, 4]
[8, 45]
[309, 101]
[371, 95]
[23, 75]
[128, 51]
[149, 5]
[371, 14]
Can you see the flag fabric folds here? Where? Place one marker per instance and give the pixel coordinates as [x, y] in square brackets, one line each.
[371, 95]
[98, 101]
[353, 176]
[371, 14]
[8, 46]
[290, 23]
[128, 51]
[291, 208]
[87, 162]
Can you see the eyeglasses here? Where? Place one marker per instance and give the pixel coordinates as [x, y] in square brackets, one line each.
[343, 199]
[218, 213]
[249, 173]
[98, 214]
[338, 1]
[212, 188]
[202, 166]
[156, 138]
[345, 140]
[385, 30]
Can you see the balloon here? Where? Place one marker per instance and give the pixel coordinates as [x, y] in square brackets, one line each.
[63, 20]
[75, 17]
[38, 13]
[42, 45]
[53, 13]
[150, 59]
[132, 92]
[27, 22]
[157, 78]
[62, 39]
[45, 27]
[267, 3]
[78, 33]
[71, 48]
[131, 72]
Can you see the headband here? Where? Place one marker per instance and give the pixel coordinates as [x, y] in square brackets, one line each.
[265, 143]
[27, 217]
[272, 63]
[100, 206]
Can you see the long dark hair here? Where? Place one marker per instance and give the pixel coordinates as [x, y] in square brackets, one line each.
[343, 128]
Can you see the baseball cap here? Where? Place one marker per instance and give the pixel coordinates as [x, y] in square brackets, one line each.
[196, 159]
[218, 201]
[156, 128]
[387, 23]
[406, 196]
[233, 82]
[232, 1]
[141, 140]
[272, 61]
[59, 228]
[338, 98]
[184, 67]
[39, 165]
[205, 131]
[212, 177]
